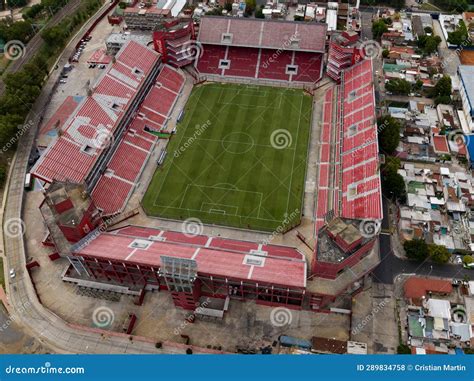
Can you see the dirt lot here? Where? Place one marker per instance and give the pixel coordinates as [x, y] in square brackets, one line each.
[467, 57]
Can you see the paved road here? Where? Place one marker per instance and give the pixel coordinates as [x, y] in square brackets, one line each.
[366, 27]
[406, 99]
[36, 42]
[391, 265]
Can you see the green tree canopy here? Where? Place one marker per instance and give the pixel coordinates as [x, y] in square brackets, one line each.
[379, 27]
[460, 36]
[428, 44]
[398, 86]
[388, 133]
[416, 249]
[438, 254]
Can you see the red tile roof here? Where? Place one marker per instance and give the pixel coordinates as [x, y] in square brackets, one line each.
[440, 144]
[416, 288]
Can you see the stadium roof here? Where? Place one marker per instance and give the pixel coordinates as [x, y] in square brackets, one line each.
[258, 33]
[72, 155]
[239, 260]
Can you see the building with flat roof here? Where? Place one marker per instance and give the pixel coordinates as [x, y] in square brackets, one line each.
[466, 90]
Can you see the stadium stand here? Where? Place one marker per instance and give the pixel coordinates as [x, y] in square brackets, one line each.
[108, 139]
[261, 49]
[101, 117]
[348, 177]
[133, 152]
[268, 274]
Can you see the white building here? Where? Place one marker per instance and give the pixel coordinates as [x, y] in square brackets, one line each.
[466, 90]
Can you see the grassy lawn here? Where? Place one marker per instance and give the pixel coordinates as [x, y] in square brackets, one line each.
[238, 159]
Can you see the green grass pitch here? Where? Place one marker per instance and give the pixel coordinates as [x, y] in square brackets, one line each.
[238, 159]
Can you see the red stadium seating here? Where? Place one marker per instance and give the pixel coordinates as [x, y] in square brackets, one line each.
[209, 61]
[309, 67]
[125, 166]
[243, 62]
[273, 64]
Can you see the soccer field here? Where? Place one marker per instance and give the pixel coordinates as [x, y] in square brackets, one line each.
[238, 159]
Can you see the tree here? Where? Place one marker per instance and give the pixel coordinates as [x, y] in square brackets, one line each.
[259, 13]
[428, 30]
[228, 6]
[379, 27]
[3, 174]
[403, 349]
[418, 85]
[398, 86]
[385, 53]
[439, 254]
[442, 90]
[460, 36]
[393, 184]
[388, 133]
[17, 3]
[452, 5]
[416, 249]
[429, 44]
[467, 259]
[250, 6]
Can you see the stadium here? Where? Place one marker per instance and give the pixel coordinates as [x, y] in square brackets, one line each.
[223, 142]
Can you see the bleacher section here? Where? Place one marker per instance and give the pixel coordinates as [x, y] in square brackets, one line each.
[348, 175]
[124, 169]
[79, 146]
[243, 62]
[209, 61]
[273, 64]
[262, 49]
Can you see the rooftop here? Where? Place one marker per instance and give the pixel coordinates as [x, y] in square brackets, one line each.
[215, 256]
[416, 287]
